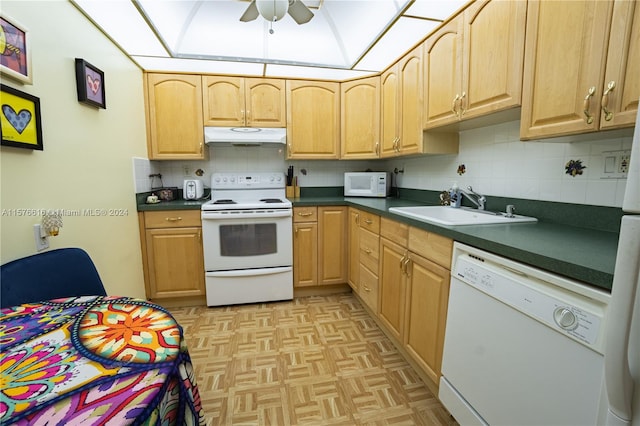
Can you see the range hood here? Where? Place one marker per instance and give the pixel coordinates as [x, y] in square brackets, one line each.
[245, 136]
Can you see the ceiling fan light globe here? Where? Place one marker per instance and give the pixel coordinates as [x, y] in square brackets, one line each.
[272, 10]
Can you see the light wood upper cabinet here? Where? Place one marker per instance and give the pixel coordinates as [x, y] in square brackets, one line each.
[360, 109]
[411, 102]
[473, 63]
[619, 105]
[443, 74]
[174, 117]
[313, 120]
[389, 112]
[564, 88]
[401, 106]
[238, 101]
[493, 53]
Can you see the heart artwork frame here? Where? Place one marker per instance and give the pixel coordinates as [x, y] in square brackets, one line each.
[20, 119]
[90, 84]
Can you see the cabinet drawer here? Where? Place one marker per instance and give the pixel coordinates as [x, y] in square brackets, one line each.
[370, 221]
[395, 231]
[369, 250]
[305, 214]
[431, 246]
[172, 219]
[369, 288]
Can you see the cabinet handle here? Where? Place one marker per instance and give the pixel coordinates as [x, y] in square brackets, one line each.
[242, 115]
[289, 149]
[200, 235]
[172, 219]
[377, 148]
[608, 115]
[462, 108]
[587, 105]
[357, 218]
[368, 250]
[404, 256]
[396, 145]
[200, 147]
[366, 288]
[368, 221]
[407, 267]
[305, 214]
[453, 105]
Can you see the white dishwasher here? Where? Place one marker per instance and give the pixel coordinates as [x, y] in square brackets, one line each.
[522, 346]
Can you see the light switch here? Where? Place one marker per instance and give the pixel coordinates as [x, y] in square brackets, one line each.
[610, 164]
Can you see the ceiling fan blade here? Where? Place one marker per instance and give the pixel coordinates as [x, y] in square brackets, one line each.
[299, 12]
[251, 13]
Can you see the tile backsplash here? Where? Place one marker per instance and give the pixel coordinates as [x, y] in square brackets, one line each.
[495, 163]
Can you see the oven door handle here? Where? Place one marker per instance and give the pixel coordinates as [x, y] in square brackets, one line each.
[249, 272]
[248, 214]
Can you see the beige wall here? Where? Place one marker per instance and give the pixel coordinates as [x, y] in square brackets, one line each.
[87, 157]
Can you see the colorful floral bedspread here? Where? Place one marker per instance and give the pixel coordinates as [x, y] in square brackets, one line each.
[95, 361]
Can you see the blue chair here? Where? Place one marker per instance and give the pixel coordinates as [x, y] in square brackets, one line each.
[66, 272]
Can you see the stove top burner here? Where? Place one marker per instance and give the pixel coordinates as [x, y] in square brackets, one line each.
[271, 200]
[224, 202]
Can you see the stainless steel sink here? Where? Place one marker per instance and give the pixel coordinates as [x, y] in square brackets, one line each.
[445, 215]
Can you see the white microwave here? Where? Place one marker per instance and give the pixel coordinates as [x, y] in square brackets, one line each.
[366, 184]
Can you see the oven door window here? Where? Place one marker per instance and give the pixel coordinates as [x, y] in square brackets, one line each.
[244, 240]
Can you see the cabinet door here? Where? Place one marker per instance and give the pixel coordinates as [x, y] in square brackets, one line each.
[175, 261]
[392, 286]
[411, 95]
[313, 120]
[332, 245]
[360, 126]
[564, 65]
[389, 118]
[305, 254]
[223, 99]
[265, 102]
[175, 117]
[354, 249]
[623, 67]
[442, 74]
[427, 299]
[493, 52]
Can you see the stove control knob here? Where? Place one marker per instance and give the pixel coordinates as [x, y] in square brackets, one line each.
[278, 178]
[271, 178]
[232, 179]
[217, 179]
[224, 179]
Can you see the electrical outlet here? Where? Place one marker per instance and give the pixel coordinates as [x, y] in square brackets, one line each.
[623, 164]
[41, 242]
[186, 170]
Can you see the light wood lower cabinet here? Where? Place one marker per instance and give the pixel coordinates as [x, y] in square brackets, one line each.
[414, 292]
[319, 246]
[364, 255]
[172, 253]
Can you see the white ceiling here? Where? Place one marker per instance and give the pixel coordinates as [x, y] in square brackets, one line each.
[345, 38]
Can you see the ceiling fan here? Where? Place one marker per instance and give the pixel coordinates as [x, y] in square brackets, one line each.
[274, 10]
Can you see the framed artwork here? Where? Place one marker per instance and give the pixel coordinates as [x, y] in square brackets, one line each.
[20, 119]
[90, 84]
[15, 57]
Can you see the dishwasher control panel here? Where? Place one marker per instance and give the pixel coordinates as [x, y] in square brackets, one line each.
[567, 312]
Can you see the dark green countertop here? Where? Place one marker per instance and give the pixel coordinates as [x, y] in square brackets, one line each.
[584, 254]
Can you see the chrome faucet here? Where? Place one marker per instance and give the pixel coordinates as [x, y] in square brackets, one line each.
[478, 199]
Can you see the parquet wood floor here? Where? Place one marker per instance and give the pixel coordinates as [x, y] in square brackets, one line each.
[310, 361]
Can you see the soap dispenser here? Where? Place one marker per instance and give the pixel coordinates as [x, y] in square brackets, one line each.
[455, 196]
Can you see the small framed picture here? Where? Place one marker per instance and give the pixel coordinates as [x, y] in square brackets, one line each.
[20, 119]
[15, 58]
[90, 84]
